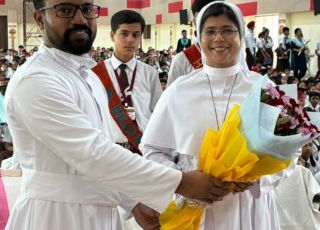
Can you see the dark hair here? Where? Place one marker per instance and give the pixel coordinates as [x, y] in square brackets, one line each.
[182, 31]
[38, 4]
[126, 17]
[217, 10]
[284, 29]
[261, 34]
[296, 30]
[198, 5]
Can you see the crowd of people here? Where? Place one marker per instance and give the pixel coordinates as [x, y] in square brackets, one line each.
[291, 53]
[72, 114]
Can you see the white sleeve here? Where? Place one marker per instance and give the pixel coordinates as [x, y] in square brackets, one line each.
[161, 155]
[156, 90]
[51, 114]
[178, 68]
[126, 206]
[281, 41]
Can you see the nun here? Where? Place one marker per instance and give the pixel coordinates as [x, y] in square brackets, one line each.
[202, 100]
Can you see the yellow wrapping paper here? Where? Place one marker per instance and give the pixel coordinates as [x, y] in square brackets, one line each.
[224, 155]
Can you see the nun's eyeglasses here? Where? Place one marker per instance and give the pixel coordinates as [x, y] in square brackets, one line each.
[65, 10]
[225, 33]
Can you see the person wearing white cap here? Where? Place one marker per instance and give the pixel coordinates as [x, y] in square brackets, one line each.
[201, 100]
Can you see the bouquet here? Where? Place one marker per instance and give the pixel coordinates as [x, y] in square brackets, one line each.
[292, 119]
[257, 139]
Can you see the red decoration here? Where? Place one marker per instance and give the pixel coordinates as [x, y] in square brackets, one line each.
[138, 4]
[175, 7]
[249, 8]
[311, 5]
[104, 11]
[2, 2]
[159, 19]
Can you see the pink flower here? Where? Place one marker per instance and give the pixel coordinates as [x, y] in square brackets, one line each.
[284, 112]
[305, 131]
[294, 122]
[272, 91]
[299, 111]
[286, 100]
[314, 131]
[292, 118]
[306, 121]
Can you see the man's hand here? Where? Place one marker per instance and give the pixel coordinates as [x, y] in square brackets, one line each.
[236, 187]
[197, 185]
[146, 217]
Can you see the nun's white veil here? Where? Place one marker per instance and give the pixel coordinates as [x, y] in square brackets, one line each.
[239, 16]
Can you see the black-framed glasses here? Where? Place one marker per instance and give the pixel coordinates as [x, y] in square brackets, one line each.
[66, 10]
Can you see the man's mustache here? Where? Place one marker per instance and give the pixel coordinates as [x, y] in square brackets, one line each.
[77, 28]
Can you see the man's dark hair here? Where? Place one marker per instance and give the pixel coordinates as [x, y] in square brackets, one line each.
[38, 4]
[284, 29]
[126, 17]
[198, 5]
[183, 31]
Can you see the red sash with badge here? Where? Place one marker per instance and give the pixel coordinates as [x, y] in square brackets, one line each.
[128, 127]
[194, 56]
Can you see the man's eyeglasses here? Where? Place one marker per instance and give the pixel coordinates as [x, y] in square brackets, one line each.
[69, 10]
[225, 33]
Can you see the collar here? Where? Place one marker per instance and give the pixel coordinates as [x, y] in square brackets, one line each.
[222, 72]
[115, 62]
[67, 59]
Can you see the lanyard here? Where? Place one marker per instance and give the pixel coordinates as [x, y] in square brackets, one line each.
[126, 94]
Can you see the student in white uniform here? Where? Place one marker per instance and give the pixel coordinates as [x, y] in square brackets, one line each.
[74, 175]
[143, 88]
[201, 100]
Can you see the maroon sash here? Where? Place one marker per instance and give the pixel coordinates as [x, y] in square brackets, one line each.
[128, 127]
[194, 56]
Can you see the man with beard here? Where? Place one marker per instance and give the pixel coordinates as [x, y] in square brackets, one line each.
[74, 175]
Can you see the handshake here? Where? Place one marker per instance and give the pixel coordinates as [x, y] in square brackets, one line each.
[195, 185]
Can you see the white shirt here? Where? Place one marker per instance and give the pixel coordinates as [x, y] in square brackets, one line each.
[73, 172]
[180, 66]
[10, 73]
[268, 43]
[183, 114]
[145, 93]
[294, 197]
[283, 40]
[250, 41]
[9, 58]
[260, 43]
